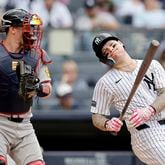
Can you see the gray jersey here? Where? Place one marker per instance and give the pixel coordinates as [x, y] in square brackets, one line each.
[21, 136]
[114, 88]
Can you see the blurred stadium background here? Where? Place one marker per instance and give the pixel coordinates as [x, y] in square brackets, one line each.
[68, 137]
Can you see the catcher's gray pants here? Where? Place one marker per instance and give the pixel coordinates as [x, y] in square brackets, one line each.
[19, 141]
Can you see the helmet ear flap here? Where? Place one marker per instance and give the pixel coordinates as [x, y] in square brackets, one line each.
[109, 61]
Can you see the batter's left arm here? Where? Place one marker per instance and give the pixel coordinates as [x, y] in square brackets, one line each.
[142, 115]
[159, 103]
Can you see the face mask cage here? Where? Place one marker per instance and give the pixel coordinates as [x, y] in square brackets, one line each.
[32, 31]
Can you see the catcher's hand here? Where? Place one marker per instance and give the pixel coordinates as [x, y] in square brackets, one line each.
[28, 81]
[28, 86]
[31, 85]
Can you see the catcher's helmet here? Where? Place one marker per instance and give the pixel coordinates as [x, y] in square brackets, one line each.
[13, 17]
[98, 43]
[30, 23]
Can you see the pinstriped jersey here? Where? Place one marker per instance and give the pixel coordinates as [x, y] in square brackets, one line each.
[114, 87]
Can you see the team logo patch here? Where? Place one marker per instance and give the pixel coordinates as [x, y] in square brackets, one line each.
[14, 65]
[118, 81]
[47, 72]
[97, 41]
[150, 81]
[93, 104]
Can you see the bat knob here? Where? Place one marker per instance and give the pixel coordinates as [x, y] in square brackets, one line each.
[114, 133]
[155, 43]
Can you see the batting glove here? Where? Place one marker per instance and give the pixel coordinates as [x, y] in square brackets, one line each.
[113, 125]
[141, 115]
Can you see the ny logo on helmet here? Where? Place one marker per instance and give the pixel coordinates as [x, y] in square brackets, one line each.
[97, 41]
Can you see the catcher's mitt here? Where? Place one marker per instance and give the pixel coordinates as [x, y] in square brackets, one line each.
[28, 81]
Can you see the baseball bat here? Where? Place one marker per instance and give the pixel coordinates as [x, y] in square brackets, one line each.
[143, 69]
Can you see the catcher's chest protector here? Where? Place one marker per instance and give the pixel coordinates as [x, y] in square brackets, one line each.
[10, 102]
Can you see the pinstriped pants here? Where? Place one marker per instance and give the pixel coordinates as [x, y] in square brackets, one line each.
[149, 144]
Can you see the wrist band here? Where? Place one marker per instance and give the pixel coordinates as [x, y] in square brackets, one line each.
[105, 123]
[153, 109]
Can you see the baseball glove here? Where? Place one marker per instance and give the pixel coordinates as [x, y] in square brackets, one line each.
[28, 81]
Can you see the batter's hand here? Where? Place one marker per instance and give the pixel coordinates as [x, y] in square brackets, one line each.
[114, 125]
[141, 115]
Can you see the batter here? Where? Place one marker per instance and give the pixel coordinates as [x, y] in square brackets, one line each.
[145, 116]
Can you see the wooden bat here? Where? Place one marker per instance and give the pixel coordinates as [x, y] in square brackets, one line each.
[143, 69]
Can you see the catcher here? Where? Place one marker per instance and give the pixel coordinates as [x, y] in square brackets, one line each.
[23, 75]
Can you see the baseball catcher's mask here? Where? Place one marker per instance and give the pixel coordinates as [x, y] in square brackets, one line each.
[32, 31]
[31, 26]
[98, 43]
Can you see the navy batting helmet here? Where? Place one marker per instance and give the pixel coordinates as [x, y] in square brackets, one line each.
[13, 17]
[98, 43]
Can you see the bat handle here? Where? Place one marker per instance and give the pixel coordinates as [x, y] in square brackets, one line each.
[114, 133]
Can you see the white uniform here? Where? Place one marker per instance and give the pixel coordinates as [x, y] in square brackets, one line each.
[114, 88]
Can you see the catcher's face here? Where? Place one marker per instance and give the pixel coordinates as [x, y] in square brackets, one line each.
[32, 31]
[16, 33]
[113, 49]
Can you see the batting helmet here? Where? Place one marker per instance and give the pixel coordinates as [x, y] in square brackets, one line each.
[98, 43]
[13, 17]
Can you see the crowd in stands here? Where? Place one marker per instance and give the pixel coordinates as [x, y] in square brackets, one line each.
[102, 14]
[85, 16]
[69, 84]
[65, 98]
[70, 75]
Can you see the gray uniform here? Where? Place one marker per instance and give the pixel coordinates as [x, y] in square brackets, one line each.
[18, 139]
